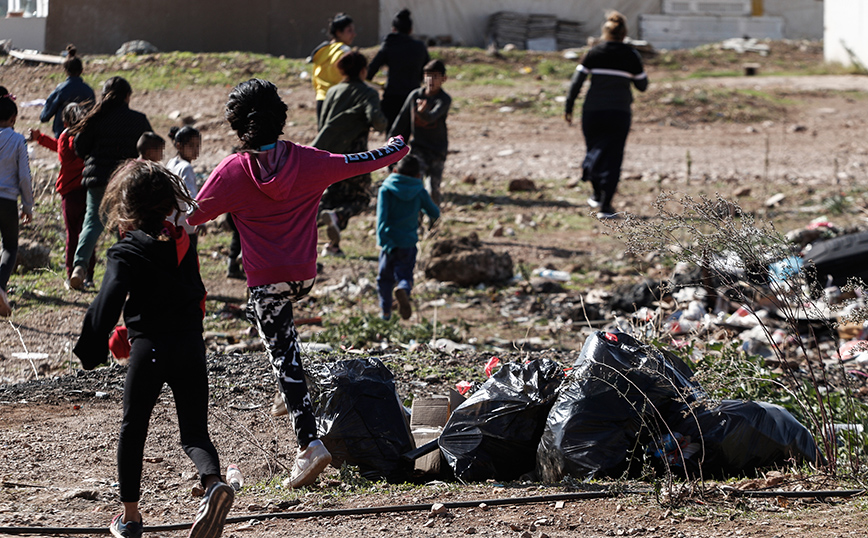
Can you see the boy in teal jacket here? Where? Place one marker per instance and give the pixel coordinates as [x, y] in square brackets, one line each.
[401, 198]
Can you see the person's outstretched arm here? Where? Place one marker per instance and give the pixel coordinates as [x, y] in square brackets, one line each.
[576, 82]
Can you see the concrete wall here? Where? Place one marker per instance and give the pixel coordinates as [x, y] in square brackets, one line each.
[689, 31]
[467, 20]
[844, 37]
[279, 27]
[803, 19]
[25, 32]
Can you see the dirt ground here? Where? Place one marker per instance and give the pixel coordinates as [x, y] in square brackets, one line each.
[58, 426]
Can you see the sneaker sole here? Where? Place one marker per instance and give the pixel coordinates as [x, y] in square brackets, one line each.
[404, 306]
[316, 467]
[76, 281]
[211, 523]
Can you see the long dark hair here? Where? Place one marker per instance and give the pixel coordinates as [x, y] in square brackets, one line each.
[114, 95]
[256, 113]
[140, 195]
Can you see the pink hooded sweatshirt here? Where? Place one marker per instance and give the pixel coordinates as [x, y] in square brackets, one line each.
[273, 197]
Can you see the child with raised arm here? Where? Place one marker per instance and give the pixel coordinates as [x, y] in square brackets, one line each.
[152, 275]
[73, 195]
[15, 181]
[401, 198]
[272, 188]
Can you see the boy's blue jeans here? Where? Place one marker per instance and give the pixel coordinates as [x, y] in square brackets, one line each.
[396, 270]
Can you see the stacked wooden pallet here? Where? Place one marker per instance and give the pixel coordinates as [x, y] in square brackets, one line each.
[533, 31]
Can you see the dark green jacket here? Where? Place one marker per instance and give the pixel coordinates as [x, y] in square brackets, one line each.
[349, 111]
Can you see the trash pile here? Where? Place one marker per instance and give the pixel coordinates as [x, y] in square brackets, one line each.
[788, 309]
[621, 406]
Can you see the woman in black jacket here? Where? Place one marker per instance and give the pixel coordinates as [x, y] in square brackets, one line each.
[104, 138]
[405, 57]
[606, 115]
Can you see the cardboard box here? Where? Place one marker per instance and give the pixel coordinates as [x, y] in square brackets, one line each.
[430, 411]
[429, 463]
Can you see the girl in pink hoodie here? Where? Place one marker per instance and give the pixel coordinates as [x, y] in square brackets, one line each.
[272, 189]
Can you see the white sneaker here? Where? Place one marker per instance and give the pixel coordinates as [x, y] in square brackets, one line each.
[309, 463]
[594, 203]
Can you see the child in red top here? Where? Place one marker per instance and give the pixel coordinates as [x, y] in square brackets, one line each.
[68, 185]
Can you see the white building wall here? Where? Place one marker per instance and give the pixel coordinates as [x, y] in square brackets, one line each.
[25, 32]
[844, 38]
[466, 20]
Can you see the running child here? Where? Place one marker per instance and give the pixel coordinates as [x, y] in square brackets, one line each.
[401, 198]
[152, 275]
[187, 142]
[422, 121]
[104, 138]
[73, 196]
[272, 188]
[15, 181]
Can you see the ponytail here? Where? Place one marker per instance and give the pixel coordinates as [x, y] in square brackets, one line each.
[182, 135]
[615, 27]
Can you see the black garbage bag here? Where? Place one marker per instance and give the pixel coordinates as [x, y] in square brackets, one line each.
[740, 437]
[495, 432]
[360, 417]
[619, 398]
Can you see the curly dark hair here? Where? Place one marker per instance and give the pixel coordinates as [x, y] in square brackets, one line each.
[256, 113]
[141, 195]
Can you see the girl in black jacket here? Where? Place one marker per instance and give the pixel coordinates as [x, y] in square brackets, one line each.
[606, 116]
[152, 275]
[104, 138]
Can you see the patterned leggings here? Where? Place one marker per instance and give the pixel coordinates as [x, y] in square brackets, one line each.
[270, 311]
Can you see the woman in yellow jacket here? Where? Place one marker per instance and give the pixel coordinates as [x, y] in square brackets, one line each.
[326, 55]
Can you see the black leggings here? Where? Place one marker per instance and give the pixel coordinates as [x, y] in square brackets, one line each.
[179, 361]
[605, 136]
[9, 236]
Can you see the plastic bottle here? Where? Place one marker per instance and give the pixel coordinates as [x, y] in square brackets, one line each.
[552, 274]
[234, 477]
